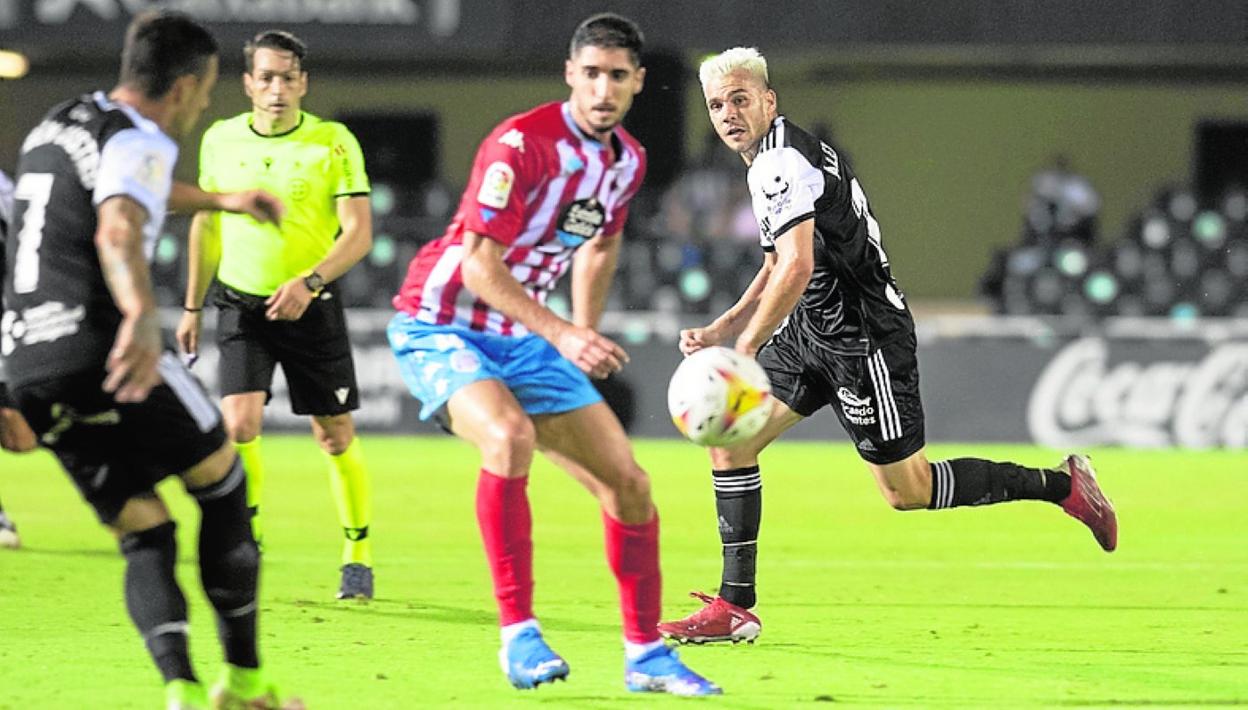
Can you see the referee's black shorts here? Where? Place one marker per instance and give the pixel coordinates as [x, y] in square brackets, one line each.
[875, 396]
[114, 451]
[314, 352]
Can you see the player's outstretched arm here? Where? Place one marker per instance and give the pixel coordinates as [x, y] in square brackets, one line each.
[593, 269]
[203, 256]
[257, 204]
[795, 262]
[486, 275]
[355, 217]
[131, 364]
[729, 325]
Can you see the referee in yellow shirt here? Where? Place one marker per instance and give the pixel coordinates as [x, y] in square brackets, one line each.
[277, 302]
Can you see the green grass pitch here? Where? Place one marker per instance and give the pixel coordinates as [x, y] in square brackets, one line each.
[1007, 606]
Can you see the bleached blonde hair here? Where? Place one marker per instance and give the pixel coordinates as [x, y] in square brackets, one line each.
[730, 60]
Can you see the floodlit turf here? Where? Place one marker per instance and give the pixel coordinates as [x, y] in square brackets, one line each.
[862, 606]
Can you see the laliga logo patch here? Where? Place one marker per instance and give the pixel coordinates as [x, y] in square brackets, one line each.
[496, 185]
[581, 220]
[858, 410]
[151, 171]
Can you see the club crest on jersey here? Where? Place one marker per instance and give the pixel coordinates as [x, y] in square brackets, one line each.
[496, 185]
[858, 410]
[580, 220]
[777, 200]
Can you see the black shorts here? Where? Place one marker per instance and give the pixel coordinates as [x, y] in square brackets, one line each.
[314, 352]
[875, 396]
[113, 451]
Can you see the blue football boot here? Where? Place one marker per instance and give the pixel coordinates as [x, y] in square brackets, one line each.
[660, 671]
[528, 661]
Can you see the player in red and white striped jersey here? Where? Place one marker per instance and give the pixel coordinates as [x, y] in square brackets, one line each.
[541, 187]
[549, 192]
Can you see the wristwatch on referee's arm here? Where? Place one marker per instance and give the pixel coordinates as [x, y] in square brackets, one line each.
[314, 282]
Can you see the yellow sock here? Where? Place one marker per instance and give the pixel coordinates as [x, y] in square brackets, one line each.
[253, 463]
[348, 479]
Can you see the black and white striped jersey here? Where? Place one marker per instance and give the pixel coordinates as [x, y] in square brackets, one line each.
[59, 316]
[852, 304]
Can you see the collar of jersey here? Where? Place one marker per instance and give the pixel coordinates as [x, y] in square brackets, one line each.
[616, 144]
[283, 134]
[775, 122]
[140, 121]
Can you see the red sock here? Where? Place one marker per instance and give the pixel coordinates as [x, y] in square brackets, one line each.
[507, 531]
[633, 554]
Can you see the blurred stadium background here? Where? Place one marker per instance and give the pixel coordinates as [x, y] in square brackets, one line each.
[1061, 188]
[1058, 182]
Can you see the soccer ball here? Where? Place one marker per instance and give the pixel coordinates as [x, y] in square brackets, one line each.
[719, 397]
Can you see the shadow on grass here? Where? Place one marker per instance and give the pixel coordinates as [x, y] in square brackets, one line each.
[423, 611]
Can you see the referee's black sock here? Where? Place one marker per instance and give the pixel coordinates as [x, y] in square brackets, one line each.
[229, 564]
[959, 482]
[155, 601]
[739, 502]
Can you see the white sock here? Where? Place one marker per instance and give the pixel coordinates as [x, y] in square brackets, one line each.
[633, 651]
[510, 631]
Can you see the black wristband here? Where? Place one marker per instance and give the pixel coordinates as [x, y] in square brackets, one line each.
[188, 309]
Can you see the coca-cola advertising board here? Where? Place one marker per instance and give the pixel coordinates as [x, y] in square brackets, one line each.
[1142, 393]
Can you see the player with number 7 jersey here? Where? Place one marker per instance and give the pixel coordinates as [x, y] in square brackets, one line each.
[59, 315]
[81, 333]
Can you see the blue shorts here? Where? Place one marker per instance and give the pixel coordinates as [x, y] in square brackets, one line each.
[438, 360]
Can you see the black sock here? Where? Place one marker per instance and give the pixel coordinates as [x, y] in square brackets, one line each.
[959, 482]
[739, 502]
[229, 564]
[155, 601]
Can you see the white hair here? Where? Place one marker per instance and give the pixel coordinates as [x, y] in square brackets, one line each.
[731, 60]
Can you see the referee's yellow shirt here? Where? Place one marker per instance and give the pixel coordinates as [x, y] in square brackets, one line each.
[308, 168]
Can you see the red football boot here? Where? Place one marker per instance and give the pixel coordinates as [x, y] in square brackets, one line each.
[718, 620]
[1087, 504]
